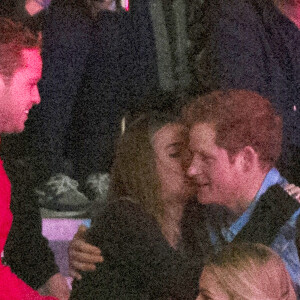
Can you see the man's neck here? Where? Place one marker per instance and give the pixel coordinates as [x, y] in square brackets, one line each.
[251, 188]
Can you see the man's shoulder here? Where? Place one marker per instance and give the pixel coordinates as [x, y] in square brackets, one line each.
[272, 212]
[276, 198]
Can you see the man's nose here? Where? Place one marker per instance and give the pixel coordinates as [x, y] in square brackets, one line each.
[196, 167]
[192, 168]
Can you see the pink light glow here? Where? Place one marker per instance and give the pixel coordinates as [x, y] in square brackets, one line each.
[60, 229]
[125, 4]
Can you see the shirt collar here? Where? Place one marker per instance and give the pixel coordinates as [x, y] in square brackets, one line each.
[273, 177]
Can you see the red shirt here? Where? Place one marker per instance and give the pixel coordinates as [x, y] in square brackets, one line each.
[11, 287]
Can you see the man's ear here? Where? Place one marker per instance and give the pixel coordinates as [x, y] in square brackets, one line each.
[249, 158]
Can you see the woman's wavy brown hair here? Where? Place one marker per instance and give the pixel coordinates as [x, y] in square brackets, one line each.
[133, 173]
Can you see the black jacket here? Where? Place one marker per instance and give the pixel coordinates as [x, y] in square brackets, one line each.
[138, 261]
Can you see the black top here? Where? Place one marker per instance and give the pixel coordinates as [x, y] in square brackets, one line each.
[138, 261]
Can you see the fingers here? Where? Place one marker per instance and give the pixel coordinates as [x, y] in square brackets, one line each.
[74, 274]
[81, 232]
[78, 266]
[83, 252]
[82, 256]
[58, 287]
[80, 246]
[293, 191]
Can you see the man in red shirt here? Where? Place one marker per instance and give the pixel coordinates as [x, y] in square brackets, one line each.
[20, 71]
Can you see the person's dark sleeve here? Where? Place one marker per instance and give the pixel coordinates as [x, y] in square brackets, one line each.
[274, 209]
[233, 55]
[195, 235]
[27, 251]
[138, 262]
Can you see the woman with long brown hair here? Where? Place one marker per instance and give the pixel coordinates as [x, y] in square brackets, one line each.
[139, 229]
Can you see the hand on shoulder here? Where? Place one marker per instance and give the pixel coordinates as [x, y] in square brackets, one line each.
[293, 191]
[82, 256]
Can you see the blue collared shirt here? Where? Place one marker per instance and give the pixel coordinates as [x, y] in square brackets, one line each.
[224, 232]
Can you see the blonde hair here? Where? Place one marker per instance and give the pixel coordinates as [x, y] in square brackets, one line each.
[251, 271]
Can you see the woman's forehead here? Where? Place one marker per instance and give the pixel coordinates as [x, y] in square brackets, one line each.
[169, 132]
